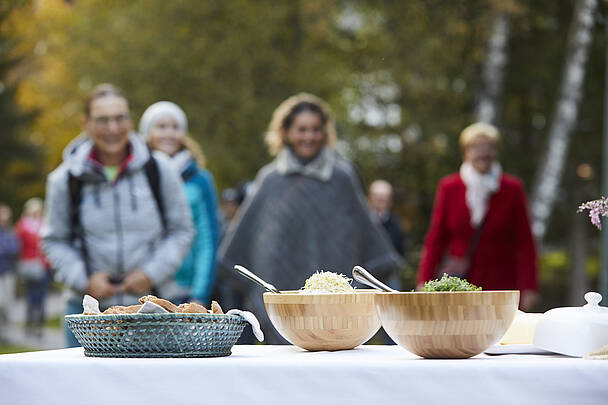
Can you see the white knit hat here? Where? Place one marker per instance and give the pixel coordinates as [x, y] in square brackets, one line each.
[157, 110]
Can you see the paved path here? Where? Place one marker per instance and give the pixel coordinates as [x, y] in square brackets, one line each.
[51, 338]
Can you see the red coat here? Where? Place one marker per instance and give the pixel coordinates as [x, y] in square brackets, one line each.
[505, 257]
[28, 232]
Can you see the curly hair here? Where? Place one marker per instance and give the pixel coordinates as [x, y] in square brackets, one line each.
[283, 117]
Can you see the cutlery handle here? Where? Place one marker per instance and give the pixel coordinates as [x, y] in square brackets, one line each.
[364, 277]
[248, 274]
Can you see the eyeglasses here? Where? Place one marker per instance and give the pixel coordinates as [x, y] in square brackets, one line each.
[104, 122]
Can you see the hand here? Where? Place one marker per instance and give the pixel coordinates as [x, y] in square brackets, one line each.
[99, 285]
[527, 299]
[136, 282]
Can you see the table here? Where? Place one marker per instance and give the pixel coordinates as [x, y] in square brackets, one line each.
[288, 375]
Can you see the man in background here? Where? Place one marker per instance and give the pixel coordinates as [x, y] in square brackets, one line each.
[380, 200]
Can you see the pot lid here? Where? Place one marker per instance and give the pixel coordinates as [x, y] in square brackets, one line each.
[590, 312]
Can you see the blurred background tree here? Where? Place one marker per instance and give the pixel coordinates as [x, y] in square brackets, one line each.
[228, 64]
[20, 177]
[403, 79]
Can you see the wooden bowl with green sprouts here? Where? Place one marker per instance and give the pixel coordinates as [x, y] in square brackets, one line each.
[452, 319]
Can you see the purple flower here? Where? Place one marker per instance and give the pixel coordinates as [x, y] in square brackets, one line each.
[597, 209]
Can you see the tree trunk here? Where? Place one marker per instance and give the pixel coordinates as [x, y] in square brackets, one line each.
[579, 283]
[493, 71]
[549, 175]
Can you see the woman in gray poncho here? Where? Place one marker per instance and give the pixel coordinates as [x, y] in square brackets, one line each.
[307, 212]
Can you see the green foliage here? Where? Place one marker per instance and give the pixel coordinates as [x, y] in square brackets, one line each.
[17, 155]
[401, 76]
[55, 322]
[228, 64]
[554, 277]
[432, 53]
[8, 349]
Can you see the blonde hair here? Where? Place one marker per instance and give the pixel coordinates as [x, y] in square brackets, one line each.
[195, 150]
[33, 205]
[275, 137]
[476, 131]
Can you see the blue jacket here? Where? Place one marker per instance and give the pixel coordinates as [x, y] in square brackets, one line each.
[197, 272]
[9, 249]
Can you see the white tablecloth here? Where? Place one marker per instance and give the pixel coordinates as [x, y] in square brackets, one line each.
[288, 375]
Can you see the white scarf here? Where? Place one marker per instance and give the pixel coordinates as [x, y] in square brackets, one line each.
[479, 188]
[179, 162]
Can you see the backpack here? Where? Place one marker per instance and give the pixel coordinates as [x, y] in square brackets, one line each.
[75, 190]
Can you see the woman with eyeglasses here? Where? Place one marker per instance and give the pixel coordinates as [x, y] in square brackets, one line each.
[117, 220]
[480, 228]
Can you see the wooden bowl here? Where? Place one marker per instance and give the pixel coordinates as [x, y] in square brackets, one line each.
[324, 321]
[447, 324]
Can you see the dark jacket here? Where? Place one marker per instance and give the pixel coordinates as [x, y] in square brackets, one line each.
[390, 223]
[9, 249]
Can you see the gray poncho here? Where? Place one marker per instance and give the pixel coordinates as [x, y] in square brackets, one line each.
[300, 219]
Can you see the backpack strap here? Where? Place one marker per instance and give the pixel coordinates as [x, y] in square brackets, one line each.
[76, 230]
[153, 176]
[75, 190]
[473, 245]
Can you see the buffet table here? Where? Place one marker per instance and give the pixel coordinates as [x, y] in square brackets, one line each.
[288, 375]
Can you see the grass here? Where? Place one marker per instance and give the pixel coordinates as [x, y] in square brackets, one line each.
[54, 322]
[6, 349]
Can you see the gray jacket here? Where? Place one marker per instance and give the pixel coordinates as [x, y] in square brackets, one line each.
[123, 230]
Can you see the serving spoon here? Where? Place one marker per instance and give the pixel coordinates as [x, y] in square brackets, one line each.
[249, 274]
[364, 277]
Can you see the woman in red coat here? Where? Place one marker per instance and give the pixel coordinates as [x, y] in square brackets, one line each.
[480, 227]
[34, 269]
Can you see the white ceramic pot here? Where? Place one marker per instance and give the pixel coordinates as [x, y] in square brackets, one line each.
[574, 331]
